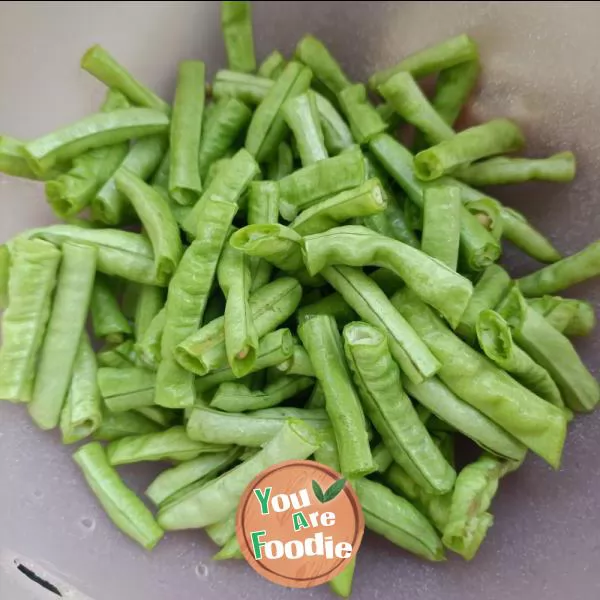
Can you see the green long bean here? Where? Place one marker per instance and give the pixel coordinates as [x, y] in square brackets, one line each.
[120, 425]
[186, 127]
[222, 531]
[121, 356]
[333, 304]
[302, 117]
[279, 245]
[149, 344]
[251, 429]
[373, 306]
[441, 401]
[236, 23]
[13, 161]
[229, 119]
[559, 314]
[241, 338]
[214, 501]
[250, 89]
[307, 186]
[94, 131]
[362, 201]
[122, 506]
[203, 468]
[165, 417]
[396, 519]
[452, 89]
[377, 379]
[69, 193]
[441, 224]
[273, 304]
[273, 348]
[126, 388]
[496, 341]
[341, 584]
[272, 65]
[336, 132]
[551, 350]
[267, 128]
[522, 234]
[33, 274]
[263, 208]
[434, 507]
[282, 164]
[318, 59]
[404, 94]
[571, 317]
[236, 397]
[435, 283]
[157, 220]
[491, 138]
[502, 170]
[299, 362]
[365, 122]
[108, 321]
[227, 186]
[478, 248]
[120, 253]
[564, 273]
[149, 302]
[468, 519]
[110, 205]
[99, 63]
[231, 550]
[4, 275]
[490, 213]
[392, 223]
[438, 57]
[65, 327]
[320, 337]
[186, 300]
[171, 444]
[382, 457]
[82, 412]
[533, 421]
[489, 290]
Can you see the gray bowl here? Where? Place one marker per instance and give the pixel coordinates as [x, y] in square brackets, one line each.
[540, 68]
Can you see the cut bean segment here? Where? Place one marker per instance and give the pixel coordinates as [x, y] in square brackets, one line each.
[323, 343]
[100, 129]
[33, 276]
[377, 379]
[214, 501]
[438, 57]
[122, 506]
[267, 128]
[492, 138]
[236, 23]
[186, 127]
[99, 63]
[65, 327]
[533, 421]
[82, 412]
[441, 224]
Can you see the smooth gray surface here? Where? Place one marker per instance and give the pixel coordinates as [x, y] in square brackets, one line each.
[540, 67]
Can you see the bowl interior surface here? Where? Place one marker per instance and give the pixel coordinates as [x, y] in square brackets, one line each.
[540, 67]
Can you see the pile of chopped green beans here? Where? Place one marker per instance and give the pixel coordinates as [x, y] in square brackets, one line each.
[272, 275]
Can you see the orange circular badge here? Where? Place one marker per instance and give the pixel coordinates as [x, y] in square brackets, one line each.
[299, 524]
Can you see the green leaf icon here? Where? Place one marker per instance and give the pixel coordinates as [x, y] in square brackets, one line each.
[318, 491]
[334, 490]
